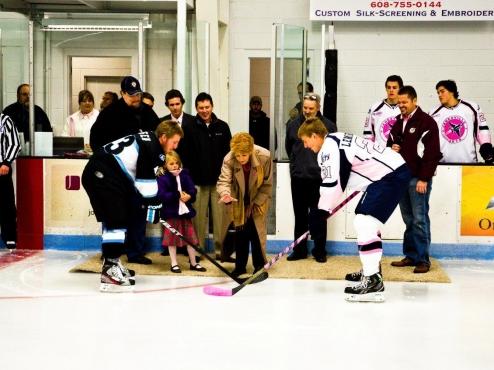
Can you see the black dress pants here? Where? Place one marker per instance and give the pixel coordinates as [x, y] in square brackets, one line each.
[305, 195]
[8, 212]
[245, 235]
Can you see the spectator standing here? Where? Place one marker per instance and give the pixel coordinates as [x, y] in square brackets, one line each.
[206, 142]
[382, 115]
[416, 137]
[175, 101]
[305, 177]
[245, 186]
[461, 125]
[108, 98]
[297, 109]
[148, 99]
[19, 113]
[127, 116]
[9, 149]
[80, 123]
[258, 123]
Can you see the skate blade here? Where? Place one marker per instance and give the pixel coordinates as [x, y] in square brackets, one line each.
[369, 297]
[113, 288]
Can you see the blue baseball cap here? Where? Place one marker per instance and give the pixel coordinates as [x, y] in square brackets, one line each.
[131, 85]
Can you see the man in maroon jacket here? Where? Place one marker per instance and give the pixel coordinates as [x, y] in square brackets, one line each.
[416, 137]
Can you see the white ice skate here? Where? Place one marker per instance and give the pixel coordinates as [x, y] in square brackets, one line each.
[113, 279]
[369, 289]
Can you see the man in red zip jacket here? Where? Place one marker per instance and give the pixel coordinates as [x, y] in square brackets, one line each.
[416, 137]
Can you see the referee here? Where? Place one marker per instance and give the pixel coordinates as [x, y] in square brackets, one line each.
[9, 149]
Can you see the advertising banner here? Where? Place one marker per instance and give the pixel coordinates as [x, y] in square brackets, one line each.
[477, 201]
[389, 10]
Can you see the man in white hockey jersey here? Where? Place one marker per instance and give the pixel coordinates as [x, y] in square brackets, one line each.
[461, 124]
[349, 161]
[382, 114]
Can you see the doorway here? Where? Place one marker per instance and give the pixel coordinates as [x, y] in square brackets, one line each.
[97, 74]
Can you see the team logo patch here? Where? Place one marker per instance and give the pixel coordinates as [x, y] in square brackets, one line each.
[386, 127]
[133, 84]
[412, 130]
[454, 129]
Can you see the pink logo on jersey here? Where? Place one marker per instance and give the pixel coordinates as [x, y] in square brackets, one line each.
[386, 127]
[454, 129]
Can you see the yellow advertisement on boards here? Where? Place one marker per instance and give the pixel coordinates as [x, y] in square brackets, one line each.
[477, 201]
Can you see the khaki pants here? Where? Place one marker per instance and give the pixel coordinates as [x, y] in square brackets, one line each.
[206, 194]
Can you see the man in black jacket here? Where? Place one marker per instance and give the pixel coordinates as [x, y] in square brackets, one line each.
[305, 176]
[175, 101]
[258, 123]
[127, 116]
[19, 113]
[206, 142]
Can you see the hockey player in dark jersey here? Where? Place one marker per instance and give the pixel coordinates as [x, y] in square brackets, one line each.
[348, 161]
[113, 174]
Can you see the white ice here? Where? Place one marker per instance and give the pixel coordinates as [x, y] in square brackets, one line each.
[52, 319]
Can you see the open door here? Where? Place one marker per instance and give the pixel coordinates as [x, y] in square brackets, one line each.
[288, 69]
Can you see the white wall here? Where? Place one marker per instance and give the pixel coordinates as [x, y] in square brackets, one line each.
[421, 52]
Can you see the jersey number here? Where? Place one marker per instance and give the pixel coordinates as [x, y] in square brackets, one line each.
[117, 146]
[368, 145]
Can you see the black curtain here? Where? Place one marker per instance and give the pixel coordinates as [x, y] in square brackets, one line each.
[331, 82]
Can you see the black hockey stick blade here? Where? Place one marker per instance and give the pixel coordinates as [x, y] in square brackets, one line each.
[204, 254]
[259, 276]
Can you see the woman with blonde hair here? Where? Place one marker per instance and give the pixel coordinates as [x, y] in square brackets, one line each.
[245, 186]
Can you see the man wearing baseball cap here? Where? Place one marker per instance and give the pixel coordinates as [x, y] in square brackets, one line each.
[127, 116]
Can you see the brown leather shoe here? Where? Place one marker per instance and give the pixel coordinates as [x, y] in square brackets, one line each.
[421, 268]
[403, 263]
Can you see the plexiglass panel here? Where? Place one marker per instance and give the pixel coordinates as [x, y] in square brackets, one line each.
[288, 62]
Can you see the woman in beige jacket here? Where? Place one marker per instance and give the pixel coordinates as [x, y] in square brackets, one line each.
[245, 186]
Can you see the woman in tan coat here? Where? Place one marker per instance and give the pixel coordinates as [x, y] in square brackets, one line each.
[245, 186]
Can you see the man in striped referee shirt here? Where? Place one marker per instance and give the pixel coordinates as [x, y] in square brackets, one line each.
[9, 149]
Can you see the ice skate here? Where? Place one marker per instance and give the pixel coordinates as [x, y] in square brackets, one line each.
[114, 279]
[354, 277]
[369, 289]
[128, 273]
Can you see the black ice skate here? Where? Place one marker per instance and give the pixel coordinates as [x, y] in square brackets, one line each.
[355, 277]
[113, 278]
[369, 289]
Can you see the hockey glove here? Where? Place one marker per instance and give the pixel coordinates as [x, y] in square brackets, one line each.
[317, 222]
[487, 152]
[153, 214]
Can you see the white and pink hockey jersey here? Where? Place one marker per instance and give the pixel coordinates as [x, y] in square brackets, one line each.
[348, 160]
[380, 118]
[459, 128]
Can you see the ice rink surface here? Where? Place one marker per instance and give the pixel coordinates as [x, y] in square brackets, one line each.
[52, 319]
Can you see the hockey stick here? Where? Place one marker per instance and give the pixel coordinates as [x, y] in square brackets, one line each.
[203, 253]
[217, 291]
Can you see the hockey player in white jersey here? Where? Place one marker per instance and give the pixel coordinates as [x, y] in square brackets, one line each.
[382, 114]
[461, 125]
[111, 178]
[348, 161]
